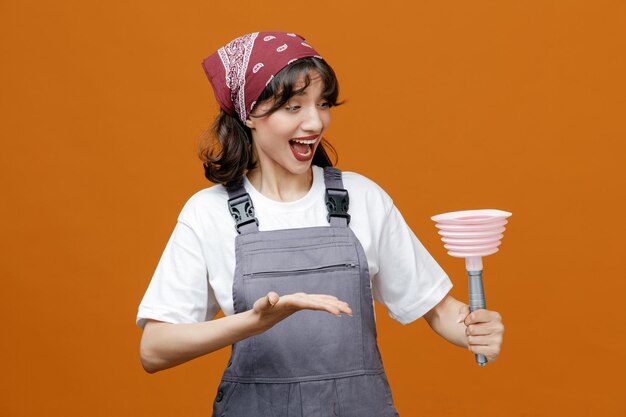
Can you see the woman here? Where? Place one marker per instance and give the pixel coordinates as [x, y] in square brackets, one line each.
[284, 239]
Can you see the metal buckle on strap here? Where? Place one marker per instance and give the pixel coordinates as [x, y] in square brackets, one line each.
[242, 210]
[337, 203]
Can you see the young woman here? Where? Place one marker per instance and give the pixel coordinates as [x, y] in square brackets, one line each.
[283, 240]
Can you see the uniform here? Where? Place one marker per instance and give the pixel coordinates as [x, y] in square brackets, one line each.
[311, 363]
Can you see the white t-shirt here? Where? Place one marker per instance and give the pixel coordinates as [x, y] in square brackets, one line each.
[194, 278]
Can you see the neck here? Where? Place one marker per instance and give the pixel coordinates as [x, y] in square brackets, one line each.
[279, 184]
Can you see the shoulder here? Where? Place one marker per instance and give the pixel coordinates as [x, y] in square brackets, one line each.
[209, 204]
[366, 190]
[206, 198]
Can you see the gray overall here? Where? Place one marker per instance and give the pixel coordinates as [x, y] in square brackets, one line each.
[312, 364]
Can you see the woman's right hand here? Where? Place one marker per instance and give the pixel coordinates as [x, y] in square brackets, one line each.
[273, 308]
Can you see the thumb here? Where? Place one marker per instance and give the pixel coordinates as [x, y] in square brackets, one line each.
[267, 302]
[464, 311]
[272, 298]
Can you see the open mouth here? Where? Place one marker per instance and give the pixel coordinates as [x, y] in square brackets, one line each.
[302, 148]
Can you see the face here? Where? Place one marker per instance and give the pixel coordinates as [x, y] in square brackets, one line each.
[287, 139]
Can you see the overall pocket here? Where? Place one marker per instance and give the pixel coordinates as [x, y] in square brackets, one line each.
[391, 409]
[309, 342]
[225, 392]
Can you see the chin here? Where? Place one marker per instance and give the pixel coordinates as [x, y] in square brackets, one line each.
[300, 167]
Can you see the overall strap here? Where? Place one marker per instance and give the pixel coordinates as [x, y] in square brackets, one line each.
[337, 200]
[242, 210]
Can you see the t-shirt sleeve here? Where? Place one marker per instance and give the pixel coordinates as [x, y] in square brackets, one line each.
[179, 291]
[409, 281]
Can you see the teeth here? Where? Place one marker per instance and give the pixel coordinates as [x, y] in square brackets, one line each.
[305, 142]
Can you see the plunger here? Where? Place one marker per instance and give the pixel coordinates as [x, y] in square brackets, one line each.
[472, 234]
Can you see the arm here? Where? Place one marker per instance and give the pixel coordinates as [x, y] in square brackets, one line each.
[164, 345]
[480, 331]
[443, 319]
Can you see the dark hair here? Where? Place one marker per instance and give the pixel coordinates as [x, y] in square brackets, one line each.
[226, 148]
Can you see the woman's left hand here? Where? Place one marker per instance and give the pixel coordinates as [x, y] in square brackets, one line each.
[484, 331]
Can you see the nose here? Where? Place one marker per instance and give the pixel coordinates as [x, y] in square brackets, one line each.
[312, 121]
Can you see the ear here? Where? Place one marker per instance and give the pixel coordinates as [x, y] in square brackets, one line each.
[250, 123]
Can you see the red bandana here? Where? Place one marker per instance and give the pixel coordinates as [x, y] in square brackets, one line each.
[240, 70]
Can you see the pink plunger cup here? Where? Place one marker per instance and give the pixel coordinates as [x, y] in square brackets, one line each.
[472, 234]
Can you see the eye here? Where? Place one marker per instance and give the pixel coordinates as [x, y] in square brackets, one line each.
[292, 108]
[326, 105]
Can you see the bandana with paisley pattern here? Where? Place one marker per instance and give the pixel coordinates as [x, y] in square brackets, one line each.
[240, 70]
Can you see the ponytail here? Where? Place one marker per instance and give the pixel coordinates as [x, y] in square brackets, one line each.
[226, 160]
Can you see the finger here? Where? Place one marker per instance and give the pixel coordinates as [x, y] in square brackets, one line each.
[483, 329]
[306, 301]
[329, 300]
[463, 312]
[345, 308]
[483, 340]
[490, 352]
[261, 305]
[272, 298]
[330, 297]
[336, 308]
[322, 306]
[481, 316]
[265, 303]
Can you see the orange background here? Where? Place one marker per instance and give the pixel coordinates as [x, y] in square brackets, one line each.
[452, 105]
